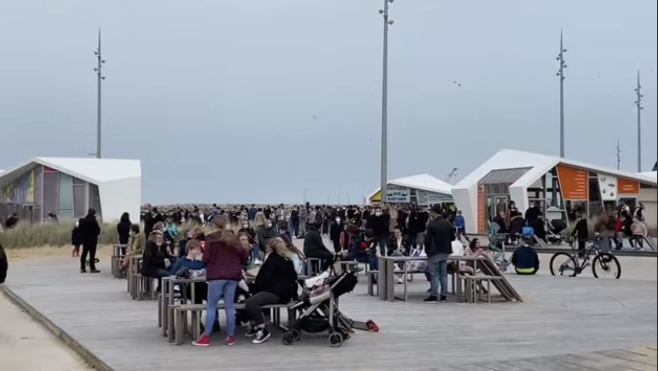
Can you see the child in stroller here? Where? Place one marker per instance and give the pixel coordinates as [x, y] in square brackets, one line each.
[554, 229]
[318, 308]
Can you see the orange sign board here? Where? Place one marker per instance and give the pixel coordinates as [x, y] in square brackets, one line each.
[574, 183]
[628, 186]
[482, 210]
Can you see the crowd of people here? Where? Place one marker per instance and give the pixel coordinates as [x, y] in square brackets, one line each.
[227, 258]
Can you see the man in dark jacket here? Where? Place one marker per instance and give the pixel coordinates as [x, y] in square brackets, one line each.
[379, 223]
[314, 247]
[89, 231]
[438, 247]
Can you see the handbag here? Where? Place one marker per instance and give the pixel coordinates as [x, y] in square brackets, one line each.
[183, 272]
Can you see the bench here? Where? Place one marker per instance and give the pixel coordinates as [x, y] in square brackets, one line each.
[312, 266]
[179, 328]
[470, 288]
[143, 287]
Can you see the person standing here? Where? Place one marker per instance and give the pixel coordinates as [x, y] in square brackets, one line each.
[89, 231]
[123, 230]
[223, 257]
[294, 221]
[438, 247]
[303, 220]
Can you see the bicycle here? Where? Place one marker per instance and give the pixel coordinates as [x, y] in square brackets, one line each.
[576, 263]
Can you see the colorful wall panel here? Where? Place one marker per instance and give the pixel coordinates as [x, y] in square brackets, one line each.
[65, 196]
[574, 183]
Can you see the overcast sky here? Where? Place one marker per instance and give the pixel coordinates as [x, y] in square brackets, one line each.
[256, 100]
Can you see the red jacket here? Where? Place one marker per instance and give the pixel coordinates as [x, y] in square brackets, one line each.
[223, 261]
[619, 225]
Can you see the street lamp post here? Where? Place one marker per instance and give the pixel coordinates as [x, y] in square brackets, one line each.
[638, 103]
[560, 74]
[99, 74]
[384, 147]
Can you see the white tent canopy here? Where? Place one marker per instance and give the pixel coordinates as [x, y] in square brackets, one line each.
[420, 182]
[118, 181]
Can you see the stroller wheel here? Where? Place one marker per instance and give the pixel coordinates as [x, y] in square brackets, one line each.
[288, 338]
[336, 339]
[296, 335]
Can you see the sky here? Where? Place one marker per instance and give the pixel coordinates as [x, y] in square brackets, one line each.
[272, 101]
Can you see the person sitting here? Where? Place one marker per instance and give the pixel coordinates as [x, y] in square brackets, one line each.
[195, 233]
[399, 245]
[525, 259]
[297, 256]
[254, 258]
[276, 283]
[474, 249]
[154, 259]
[348, 236]
[364, 250]
[314, 247]
[136, 244]
[190, 260]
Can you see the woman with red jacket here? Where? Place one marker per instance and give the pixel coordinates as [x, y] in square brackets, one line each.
[223, 257]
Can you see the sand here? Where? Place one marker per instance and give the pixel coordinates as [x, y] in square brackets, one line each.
[49, 252]
[21, 337]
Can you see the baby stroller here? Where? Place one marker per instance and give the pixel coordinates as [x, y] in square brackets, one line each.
[318, 309]
[554, 231]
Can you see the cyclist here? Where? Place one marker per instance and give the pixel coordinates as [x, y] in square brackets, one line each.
[580, 233]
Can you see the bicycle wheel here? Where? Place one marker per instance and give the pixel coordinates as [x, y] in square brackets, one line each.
[606, 264]
[563, 264]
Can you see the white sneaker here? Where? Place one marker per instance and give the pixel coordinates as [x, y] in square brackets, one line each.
[400, 280]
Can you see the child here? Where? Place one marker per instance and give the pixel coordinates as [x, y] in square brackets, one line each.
[75, 241]
[640, 232]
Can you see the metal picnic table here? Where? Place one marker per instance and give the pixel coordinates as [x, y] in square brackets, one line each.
[386, 273]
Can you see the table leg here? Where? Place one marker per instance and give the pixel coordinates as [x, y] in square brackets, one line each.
[381, 280]
[390, 280]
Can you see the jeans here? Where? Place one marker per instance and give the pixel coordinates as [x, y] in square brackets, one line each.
[383, 244]
[295, 227]
[437, 265]
[218, 289]
[91, 250]
[255, 303]
[159, 275]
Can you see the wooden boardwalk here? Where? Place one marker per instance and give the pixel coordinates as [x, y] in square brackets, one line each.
[565, 324]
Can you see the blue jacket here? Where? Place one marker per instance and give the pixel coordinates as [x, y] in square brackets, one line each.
[460, 222]
[193, 265]
[525, 260]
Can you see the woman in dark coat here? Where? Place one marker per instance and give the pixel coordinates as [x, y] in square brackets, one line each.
[154, 259]
[123, 230]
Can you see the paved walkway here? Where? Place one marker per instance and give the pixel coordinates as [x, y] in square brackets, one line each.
[561, 317]
[27, 346]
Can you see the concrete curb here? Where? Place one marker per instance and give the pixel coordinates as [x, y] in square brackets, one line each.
[78, 348]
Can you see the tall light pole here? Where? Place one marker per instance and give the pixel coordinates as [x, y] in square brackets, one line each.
[638, 103]
[99, 74]
[618, 155]
[384, 161]
[560, 74]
